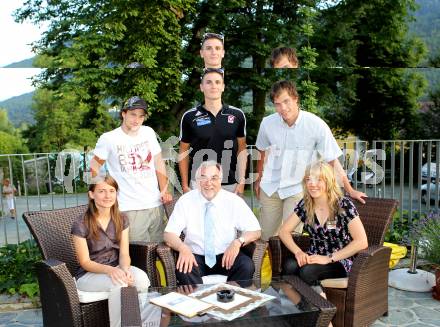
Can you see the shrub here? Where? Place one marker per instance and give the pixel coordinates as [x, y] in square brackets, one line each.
[399, 231]
[427, 235]
[17, 273]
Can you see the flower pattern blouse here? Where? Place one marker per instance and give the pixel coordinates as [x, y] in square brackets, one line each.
[329, 239]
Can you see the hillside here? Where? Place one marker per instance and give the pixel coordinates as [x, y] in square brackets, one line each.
[427, 25]
[19, 109]
[27, 63]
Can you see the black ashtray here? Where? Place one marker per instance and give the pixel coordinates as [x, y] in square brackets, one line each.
[225, 296]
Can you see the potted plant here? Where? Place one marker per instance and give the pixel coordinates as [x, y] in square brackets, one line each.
[427, 233]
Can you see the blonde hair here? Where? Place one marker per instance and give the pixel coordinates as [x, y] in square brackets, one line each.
[334, 193]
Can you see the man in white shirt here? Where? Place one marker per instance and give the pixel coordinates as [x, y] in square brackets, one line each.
[133, 158]
[211, 246]
[288, 141]
[284, 57]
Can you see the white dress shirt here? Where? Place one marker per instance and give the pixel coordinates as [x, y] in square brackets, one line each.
[231, 214]
[289, 149]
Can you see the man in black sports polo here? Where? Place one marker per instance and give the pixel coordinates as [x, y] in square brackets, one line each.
[213, 131]
[212, 50]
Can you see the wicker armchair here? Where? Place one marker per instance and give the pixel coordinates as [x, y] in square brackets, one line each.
[58, 293]
[255, 250]
[363, 296]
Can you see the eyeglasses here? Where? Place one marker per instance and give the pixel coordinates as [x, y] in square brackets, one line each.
[220, 71]
[207, 36]
[206, 179]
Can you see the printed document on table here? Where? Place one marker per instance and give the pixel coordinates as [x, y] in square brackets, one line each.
[182, 304]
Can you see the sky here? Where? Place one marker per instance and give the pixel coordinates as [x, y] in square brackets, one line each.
[15, 39]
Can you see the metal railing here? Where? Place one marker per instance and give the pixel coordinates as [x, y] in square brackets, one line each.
[406, 170]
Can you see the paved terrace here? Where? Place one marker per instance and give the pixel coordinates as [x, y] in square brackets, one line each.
[405, 308]
[409, 309]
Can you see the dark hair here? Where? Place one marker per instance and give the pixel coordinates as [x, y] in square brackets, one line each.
[281, 86]
[219, 71]
[125, 110]
[208, 36]
[92, 211]
[277, 53]
[135, 102]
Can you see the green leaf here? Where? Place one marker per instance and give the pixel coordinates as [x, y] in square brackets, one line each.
[30, 289]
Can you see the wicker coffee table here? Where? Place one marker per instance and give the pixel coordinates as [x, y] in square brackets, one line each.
[295, 304]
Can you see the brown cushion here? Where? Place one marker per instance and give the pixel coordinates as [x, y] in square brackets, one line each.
[335, 282]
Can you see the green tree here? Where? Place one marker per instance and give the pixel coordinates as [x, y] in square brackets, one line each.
[380, 100]
[58, 122]
[340, 37]
[5, 124]
[426, 26]
[430, 118]
[387, 106]
[11, 140]
[252, 29]
[90, 43]
[10, 144]
[308, 55]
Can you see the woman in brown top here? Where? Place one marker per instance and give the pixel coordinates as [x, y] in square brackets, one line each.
[100, 238]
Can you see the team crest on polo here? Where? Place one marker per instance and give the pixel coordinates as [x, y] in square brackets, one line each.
[231, 119]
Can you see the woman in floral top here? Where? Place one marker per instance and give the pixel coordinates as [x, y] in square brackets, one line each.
[333, 224]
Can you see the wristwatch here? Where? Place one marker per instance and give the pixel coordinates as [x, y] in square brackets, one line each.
[241, 240]
[331, 257]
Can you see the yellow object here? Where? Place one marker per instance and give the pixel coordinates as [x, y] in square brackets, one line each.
[397, 252]
[159, 267]
[266, 269]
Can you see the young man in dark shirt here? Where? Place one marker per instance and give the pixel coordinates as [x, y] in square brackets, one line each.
[213, 131]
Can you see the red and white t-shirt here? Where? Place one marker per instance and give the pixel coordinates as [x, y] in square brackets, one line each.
[130, 160]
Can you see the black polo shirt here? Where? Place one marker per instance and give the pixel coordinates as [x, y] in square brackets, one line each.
[213, 138]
